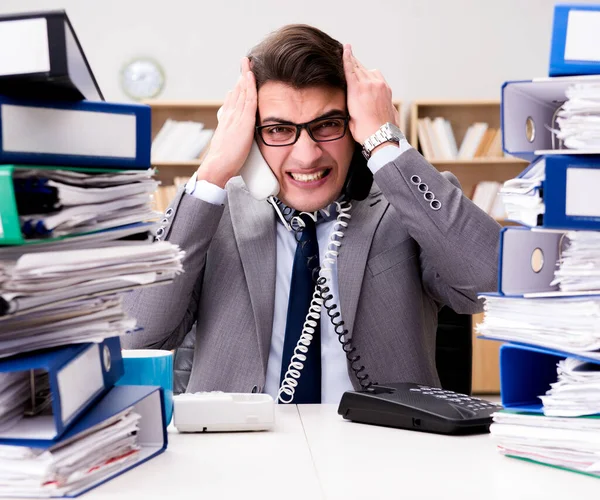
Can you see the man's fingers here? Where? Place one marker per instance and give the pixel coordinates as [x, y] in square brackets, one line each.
[245, 65]
[378, 74]
[249, 104]
[241, 97]
[359, 70]
[348, 64]
[227, 101]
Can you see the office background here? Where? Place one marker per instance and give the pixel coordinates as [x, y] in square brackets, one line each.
[443, 59]
[426, 49]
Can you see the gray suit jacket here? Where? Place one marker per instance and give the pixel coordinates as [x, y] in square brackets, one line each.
[400, 261]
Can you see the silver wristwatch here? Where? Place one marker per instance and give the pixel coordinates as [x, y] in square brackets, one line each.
[387, 132]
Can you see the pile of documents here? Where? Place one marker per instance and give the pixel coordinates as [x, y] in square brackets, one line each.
[578, 120]
[38, 280]
[547, 307]
[76, 232]
[569, 443]
[576, 392]
[62, 203]
[69, 465]
[114, 435]
[579, 266]
[521, 196]
[570, 324]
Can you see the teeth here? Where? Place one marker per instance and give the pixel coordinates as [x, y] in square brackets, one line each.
[308, 177]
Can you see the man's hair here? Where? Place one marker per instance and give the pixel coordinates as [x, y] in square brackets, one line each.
[300, 56]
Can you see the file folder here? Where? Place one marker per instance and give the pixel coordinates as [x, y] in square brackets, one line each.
[575, 48]
[569, 192]
[526, 372]
[11, 230]
[78, 375]
[46, 61]
[527, 260]
[83, 133]
[147, 401]
[527, 111]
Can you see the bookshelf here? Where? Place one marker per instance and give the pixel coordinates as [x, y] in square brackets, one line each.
[461, 114]
[171, 172]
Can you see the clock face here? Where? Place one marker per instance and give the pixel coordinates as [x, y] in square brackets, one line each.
[142, 79]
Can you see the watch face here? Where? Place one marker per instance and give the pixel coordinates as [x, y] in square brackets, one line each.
[142, 79]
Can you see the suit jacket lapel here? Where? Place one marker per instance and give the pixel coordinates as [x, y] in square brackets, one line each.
[352, 259]
[254, 228]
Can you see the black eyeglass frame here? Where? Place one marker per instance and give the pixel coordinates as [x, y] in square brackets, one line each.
[300, 127]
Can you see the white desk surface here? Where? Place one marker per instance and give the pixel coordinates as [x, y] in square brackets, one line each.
[314, 454]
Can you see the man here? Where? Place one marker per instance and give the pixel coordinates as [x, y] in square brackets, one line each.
[414, 244]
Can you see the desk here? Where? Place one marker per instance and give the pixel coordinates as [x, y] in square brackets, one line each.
[314, 454]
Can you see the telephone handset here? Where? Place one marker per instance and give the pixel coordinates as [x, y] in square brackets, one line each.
[258, 176]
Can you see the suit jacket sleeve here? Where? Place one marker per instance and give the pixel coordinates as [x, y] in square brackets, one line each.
[459, 241]
[165, 313]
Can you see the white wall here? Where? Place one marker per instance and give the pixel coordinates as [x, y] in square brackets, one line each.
[425, 48]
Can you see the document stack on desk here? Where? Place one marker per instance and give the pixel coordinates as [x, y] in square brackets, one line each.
[547, 308]
[76, 231]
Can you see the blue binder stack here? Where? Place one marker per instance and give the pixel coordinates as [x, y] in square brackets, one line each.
[76, 230]
[547, 308]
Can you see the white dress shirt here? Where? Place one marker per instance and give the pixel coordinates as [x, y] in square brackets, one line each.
[335, 379]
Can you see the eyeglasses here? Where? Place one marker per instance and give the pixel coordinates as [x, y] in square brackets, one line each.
[319, 130]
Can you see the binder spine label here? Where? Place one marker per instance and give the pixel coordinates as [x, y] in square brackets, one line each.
[583, 36]
[31, 38]
[582, 199]
[29, 129]
[79, 381]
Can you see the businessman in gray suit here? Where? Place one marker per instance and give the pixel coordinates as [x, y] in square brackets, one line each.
[413, 242]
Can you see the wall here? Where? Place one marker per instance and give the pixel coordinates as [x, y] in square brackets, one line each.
[425, 48]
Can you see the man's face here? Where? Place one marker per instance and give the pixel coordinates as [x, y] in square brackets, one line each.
[311, 174]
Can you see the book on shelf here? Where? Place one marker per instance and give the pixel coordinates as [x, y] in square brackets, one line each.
[486, 196]
[180, 141]
[438, 141]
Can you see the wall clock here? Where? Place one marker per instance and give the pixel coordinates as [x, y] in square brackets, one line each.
[142, 78]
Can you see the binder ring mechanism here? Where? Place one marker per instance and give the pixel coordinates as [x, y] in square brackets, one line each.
[554, 129]
[40, 396]
[530, 128]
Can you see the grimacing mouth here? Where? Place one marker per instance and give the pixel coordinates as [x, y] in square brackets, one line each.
[315, 176]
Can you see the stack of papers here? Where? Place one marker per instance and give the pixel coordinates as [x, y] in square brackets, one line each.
[71, 464]
[54, 203]
[87, 320]
[570, 324]
[576, 392]
[571, 443]
[579, 266]
[578, 120]
[522, 196]
[20, 396]
[131, 234]
[14, 395]
[42, 279]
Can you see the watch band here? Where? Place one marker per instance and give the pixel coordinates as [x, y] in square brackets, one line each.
[387, 132]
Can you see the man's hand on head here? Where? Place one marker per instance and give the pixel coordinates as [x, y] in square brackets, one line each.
[369, 98]
[234, 134]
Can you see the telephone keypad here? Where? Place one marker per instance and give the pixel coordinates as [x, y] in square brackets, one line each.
[470, 402]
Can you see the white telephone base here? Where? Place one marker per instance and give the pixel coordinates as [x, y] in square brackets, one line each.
[223, 412]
